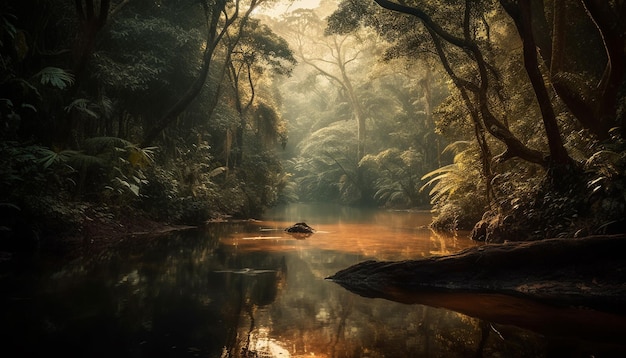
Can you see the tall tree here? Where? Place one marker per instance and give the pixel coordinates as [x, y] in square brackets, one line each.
[582, 44]
[470, 47]
[220, 16]
[90, 21]
[257, 52]
[522, 15]
[332, 56]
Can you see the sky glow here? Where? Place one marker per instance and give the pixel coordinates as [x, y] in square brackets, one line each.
[282, 7]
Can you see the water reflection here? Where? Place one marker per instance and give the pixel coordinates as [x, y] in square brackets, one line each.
[383, 235]
[250, 290]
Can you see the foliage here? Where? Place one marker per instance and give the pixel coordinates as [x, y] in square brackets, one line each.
[34, 182]
[325, 169]
[119, 166]
[263, 48]
[463, 46]
[141, 54]
[457, 188]
[395, 174]
[390, 104]
[75, 100]
[55, 77]
[82, 105]
[263, 180]
[606, 170]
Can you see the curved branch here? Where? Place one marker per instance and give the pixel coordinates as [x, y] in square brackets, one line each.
[448, 37]
[514, 147]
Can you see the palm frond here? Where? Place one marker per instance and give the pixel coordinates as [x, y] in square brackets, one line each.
[83, 161]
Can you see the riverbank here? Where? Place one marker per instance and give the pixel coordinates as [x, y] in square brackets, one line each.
[90, 230]
[98, 234]
[589, 272]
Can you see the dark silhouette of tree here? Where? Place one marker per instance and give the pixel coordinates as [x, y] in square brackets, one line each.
[582, 45]
[219, 18]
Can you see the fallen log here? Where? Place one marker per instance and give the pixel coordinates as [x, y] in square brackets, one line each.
[588, 272]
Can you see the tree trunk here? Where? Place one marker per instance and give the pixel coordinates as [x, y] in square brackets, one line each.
[541, 31]
[553, 270]
[479, 130]
[594, 107]
[522, 17]
[359, 114]
[576, 103]
[611, 27]
[213, 38]
[514, 147]
[89, 25]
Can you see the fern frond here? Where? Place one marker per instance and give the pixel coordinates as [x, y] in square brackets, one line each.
[83, 161]
[604, 161]
[55, 77]
[456, 146]
[438, 178]
[82, 105]
[444, 169]
[48, 157]
[99, 142]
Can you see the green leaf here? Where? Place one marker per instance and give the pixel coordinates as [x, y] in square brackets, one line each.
[55, 77]
[29, 106]
[134, 188]
[82, 105]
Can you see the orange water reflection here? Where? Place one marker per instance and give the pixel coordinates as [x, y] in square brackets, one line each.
[310, 316]
[385, 236]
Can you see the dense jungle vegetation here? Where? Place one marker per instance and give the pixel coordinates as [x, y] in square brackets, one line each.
[503, 116]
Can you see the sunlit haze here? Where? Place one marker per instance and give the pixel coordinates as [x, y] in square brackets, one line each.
[282, 7]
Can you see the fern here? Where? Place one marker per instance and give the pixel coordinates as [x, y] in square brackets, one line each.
[82, 105]
[101, 144]
[55, 77]
[449, 179]
[50, 157]
[605, 162]
[457, 147]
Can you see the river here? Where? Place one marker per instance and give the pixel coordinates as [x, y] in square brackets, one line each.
[249, 289]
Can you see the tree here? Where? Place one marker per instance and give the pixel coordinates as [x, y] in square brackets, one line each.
[333, 57]
[572, 88]
[514, 147]
[583, 48]
[94, 75]
[257, 51]
[219, 17]
[90, 23]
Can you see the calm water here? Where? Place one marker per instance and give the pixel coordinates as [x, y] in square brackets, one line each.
[251, 290]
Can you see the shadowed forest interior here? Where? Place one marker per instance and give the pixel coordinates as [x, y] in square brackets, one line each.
[501, 116]
[500, 120]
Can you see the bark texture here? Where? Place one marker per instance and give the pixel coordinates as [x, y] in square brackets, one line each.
[587, 272]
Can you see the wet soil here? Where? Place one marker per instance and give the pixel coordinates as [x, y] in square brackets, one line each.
[99, 233]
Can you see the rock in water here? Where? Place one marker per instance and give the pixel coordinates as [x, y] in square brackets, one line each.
[300, 228]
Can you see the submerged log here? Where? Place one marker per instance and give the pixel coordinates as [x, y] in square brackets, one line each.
[587, 271]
